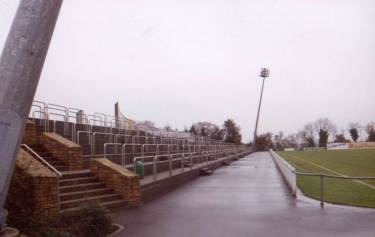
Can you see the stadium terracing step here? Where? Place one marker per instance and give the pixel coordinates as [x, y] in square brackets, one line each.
[48, 156]
[79, 187]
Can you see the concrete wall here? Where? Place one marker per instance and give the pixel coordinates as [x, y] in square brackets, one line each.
[287, 171]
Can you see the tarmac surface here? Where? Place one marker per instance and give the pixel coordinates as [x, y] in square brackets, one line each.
[247, 198]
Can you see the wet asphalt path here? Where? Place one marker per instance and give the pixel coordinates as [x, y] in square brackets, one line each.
[247, 198]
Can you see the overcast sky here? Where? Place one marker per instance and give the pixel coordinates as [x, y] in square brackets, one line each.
[178, 62]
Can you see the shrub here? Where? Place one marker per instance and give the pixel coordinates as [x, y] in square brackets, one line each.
[20, 202]
[91, 220]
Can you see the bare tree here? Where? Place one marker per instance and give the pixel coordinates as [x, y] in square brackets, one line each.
[307, 134]
[207, 129]
[277, 140]
[353, 130]
[370, 129]
[324, 127]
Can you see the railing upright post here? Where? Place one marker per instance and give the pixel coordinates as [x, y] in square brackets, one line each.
[123, 155]
[92, 144]
[105, 151]
[191, 161]
[155, 167]
[182, 162]
[170, 164]
[321, 191]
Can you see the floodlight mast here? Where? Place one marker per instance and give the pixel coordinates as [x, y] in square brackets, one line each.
[264, 73]
[21, 64]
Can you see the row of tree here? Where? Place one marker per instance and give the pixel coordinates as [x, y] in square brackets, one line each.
[314, 134]
[229, 131]
[323, 128]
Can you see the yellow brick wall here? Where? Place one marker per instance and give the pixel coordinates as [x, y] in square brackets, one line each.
[63, 149]
[121, 180]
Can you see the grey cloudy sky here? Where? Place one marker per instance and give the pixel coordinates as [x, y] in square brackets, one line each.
[178, 62]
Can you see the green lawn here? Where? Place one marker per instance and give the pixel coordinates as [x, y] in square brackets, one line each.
[344, 162]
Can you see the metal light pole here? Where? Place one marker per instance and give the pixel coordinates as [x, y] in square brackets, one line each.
[21, 64]
[265, 72]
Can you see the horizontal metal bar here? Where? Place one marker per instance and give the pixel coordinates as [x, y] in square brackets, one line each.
[41, 159]
[335, 176]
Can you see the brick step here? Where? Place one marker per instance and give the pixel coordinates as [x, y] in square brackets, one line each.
[101, 198]
[83, 194]
[61, 167]
[56, 162]
[81, 187]
[86, 163]
[44, 153]
[39, 149]
[108, 205]
[82, 180]
[76, 174]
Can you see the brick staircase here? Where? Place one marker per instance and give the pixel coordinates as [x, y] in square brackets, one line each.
[48, 156]
[78, 187]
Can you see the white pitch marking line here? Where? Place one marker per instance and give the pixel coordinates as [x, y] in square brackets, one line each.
[335, 172]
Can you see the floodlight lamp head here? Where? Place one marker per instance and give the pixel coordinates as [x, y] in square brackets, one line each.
[265, 72]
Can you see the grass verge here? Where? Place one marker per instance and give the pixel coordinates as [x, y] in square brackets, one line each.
[339, 163]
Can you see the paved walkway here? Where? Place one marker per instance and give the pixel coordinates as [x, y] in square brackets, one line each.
[247, 198]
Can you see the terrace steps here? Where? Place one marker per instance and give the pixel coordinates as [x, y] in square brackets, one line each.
[48, 156]
[77, 188]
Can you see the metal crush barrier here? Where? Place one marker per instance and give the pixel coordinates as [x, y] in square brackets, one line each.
[99, 136]
[290, 176]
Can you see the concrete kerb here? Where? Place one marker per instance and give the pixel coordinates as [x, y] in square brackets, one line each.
[287, 171]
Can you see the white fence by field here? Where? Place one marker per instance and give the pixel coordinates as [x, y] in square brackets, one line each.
[287, 171]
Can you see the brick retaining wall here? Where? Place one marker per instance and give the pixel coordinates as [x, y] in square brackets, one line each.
[63, 149]
[121, 180]
[30, 135]
[44, 182]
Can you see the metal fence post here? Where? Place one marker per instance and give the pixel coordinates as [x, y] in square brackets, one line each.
[322, 191]
[170, 164]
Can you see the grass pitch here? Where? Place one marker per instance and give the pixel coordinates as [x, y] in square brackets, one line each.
[339, 163]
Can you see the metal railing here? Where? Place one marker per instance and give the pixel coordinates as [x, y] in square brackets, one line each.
[289, 174]
[41, 159]
[109, 121]
[154, 160]
[113, 154]
[322, 176]
[111, 135]
[144, 150]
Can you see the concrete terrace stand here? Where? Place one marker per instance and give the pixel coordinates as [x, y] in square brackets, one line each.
[152, 189]
[85, 178]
